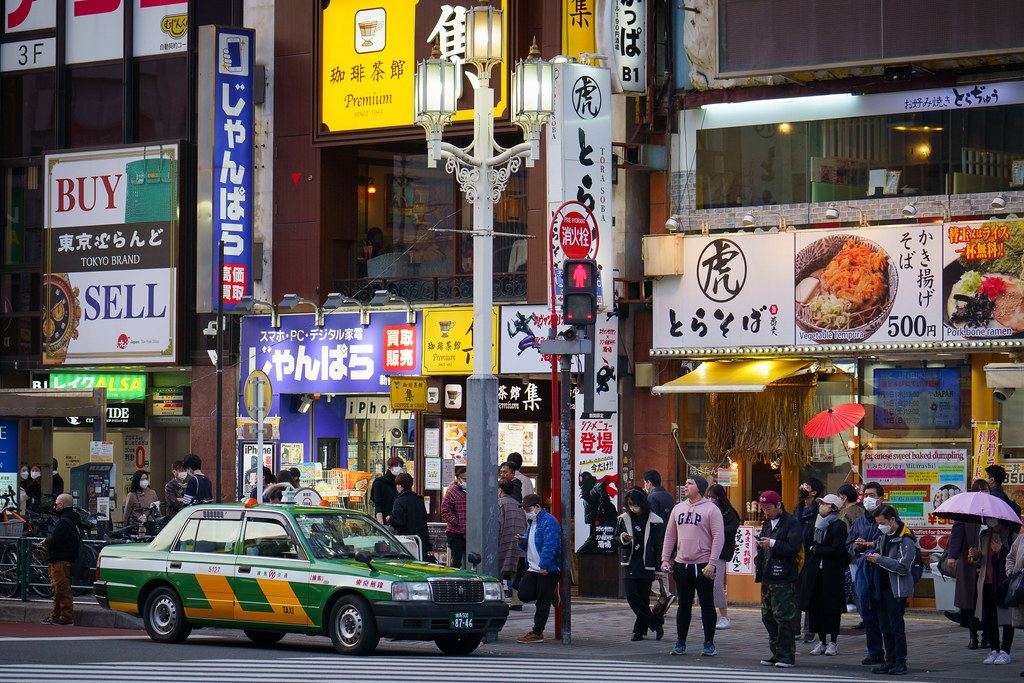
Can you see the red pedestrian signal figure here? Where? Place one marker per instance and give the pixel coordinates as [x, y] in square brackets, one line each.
[579, 292]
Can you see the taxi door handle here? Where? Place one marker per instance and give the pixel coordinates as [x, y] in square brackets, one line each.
[175, 565]
[245, 570]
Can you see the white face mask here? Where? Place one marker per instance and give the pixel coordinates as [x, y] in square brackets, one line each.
[182, 475]
[634, 509]
[397, 470]
[531, 515]
[144, 483]
[885, 529]
[36, 474]
[463, 485]
[870, 503]
[24, 474]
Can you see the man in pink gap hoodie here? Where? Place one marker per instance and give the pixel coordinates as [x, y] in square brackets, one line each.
[694, 535]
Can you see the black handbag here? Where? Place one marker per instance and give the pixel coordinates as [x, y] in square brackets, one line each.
[1014, 585]
[944, 567]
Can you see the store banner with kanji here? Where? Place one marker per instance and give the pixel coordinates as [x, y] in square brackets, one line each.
[742, 561]
[596, 482]
[903, 284]
[986, 447]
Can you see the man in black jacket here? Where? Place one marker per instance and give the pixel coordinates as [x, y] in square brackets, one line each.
[661, 501]
[778, 545]
[383, 491]
[62, 549]
[995, 475]
[408, 515]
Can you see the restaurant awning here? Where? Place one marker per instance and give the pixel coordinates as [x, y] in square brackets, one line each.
[733, 376]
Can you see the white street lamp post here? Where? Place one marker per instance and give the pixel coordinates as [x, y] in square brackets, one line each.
[482, 169]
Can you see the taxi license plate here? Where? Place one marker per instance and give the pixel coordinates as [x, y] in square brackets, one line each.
[460, 621]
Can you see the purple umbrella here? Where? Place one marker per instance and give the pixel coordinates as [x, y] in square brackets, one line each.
[974, 506]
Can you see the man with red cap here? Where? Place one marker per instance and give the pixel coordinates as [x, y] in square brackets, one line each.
[776, 569]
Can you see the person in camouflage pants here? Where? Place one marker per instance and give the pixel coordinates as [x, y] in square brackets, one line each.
[777, 570]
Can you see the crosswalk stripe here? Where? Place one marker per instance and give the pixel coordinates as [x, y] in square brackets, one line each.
[384, 669]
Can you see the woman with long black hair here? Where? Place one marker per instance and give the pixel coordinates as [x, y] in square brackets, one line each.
[640, 534]
[730, 525]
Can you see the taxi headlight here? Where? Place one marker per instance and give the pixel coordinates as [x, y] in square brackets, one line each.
[410, 590]
[493, 591]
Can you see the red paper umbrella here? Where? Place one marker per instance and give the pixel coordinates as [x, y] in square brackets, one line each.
[834, 420]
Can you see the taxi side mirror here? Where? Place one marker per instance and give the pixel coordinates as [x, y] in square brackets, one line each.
[366, 558]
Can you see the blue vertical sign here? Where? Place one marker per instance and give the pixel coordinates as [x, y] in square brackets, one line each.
[9, 460]
[232, 163]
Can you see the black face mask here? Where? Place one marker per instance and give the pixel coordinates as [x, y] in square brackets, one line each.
[804, 493]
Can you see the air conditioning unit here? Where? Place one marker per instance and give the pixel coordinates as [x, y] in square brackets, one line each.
[663, 255]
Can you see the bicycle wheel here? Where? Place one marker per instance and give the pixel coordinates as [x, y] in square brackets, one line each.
[39, 574]
[9, 583]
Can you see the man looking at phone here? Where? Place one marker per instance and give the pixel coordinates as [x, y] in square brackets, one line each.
[543, 546]
[775, 568]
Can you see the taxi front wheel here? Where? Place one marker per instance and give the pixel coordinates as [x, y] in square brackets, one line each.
[353, 628]
[164, 617]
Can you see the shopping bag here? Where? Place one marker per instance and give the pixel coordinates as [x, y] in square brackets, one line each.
[664, 601]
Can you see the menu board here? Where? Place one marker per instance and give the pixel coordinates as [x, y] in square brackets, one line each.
[742, 561]
[518, 437]
[885, 285]
[917, 398]
[917, 481]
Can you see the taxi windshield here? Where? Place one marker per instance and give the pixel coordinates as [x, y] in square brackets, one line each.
[337, 535]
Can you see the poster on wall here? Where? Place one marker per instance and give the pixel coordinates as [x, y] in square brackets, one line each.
[868, 285]
[252, 464]
[522, 329]
[136, 449]
[518, 437]
[432, 473]
[110, 283]
[596, 483]
[916, 482]
[985, 443]
[159, 28]
[1014, 484]
[9, 462]
[983, 283]
[291, 454]
[454, 444]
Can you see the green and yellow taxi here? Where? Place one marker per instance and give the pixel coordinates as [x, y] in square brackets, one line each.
[277, 569]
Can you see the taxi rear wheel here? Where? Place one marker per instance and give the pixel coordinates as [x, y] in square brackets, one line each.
[353, 628]
[458, 646]
[264, 637]
[164, 617]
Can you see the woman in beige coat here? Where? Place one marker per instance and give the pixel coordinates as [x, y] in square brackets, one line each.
[990, 559]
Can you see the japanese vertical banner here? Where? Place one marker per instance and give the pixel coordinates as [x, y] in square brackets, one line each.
[597, 482]
[986, 447]
[225, 202]
[579, 165]
[742, 561]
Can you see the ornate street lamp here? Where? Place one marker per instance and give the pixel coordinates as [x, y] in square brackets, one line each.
[483, 169]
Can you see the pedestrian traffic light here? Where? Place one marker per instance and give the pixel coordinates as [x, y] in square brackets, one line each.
[579, 292]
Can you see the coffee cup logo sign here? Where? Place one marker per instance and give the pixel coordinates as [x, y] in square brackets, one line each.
[721, 270]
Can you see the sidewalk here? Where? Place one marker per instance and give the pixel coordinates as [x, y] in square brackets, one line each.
[601, 630]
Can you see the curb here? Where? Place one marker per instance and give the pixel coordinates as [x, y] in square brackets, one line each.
[86, 614]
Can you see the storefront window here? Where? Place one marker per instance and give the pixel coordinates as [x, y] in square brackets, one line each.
[94, 105]
[906, 154]
[159, 105]
[400, 200]
[28, 103]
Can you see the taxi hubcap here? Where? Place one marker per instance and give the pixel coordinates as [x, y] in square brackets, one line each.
[164, 615]
[350, 625]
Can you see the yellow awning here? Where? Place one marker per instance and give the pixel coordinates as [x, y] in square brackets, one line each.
[737, 375]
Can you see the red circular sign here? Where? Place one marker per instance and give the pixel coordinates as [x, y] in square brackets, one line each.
[575, 231]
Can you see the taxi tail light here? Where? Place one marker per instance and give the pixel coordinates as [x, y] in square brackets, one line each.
[98, 559]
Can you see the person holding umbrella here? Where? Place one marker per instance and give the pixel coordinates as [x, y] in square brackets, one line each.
[963, 537]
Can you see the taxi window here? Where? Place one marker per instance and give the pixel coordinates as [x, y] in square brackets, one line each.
[216, 535]
[268, 538]
[333, 535]
[187, 537]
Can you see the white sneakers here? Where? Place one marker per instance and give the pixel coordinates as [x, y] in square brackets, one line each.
[831, 650]
[997, 657]
[723, 624]
[819, 649]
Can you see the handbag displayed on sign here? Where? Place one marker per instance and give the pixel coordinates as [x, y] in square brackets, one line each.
[664, 601]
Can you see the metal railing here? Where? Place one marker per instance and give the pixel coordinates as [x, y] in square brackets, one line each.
[25, 572]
